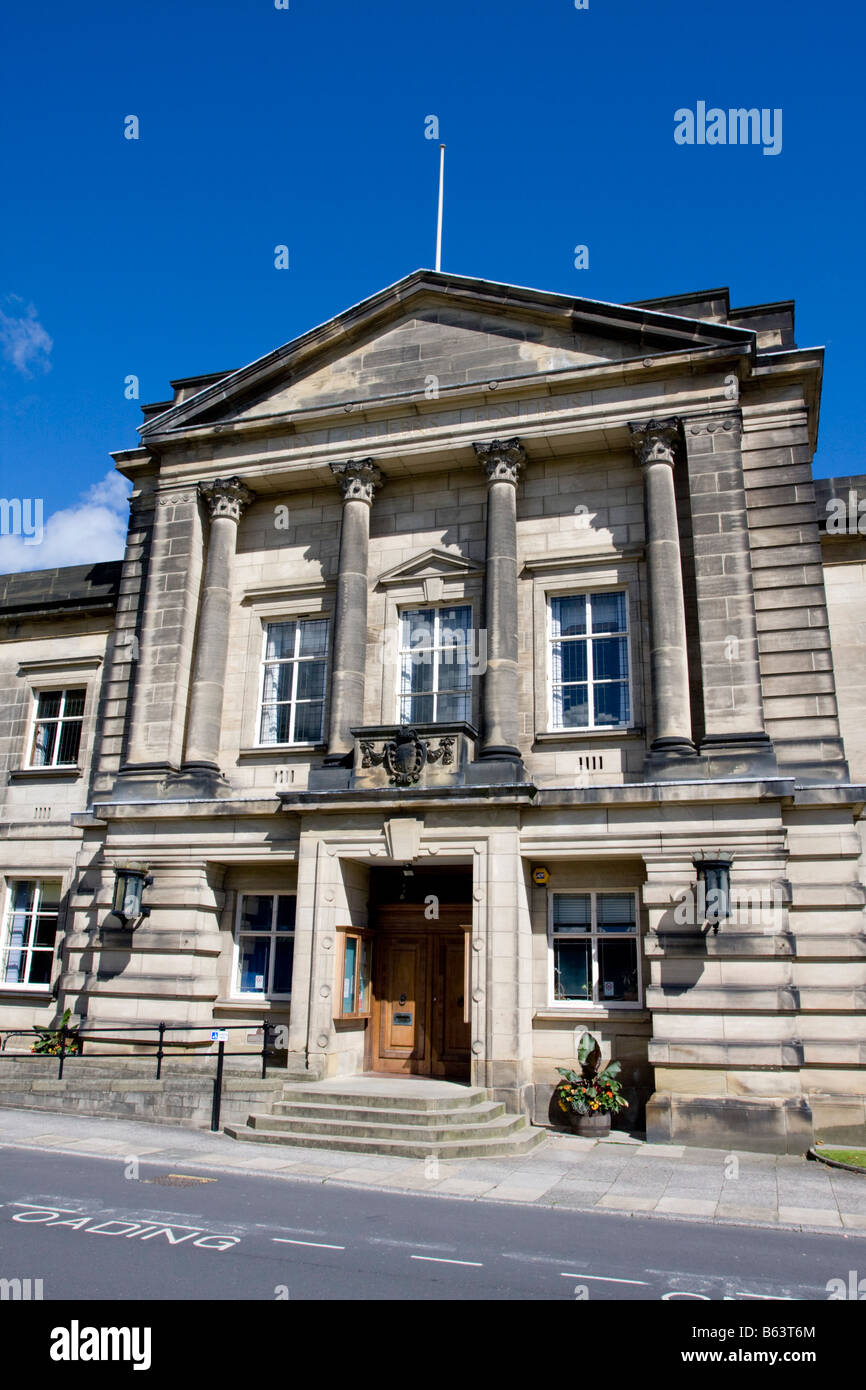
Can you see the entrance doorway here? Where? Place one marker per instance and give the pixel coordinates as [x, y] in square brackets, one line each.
[420, 992]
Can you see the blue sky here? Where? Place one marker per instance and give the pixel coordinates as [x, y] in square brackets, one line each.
[305, 126]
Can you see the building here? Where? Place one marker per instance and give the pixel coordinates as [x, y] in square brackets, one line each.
[467, 682]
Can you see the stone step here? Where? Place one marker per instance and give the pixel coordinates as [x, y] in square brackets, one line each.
[486, 1146]
[362, 1111]
[441, 1130]
[318, 1094]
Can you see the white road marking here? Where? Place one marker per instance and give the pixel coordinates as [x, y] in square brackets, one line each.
[605, 1279]
[319, 1244]
[440, 1260]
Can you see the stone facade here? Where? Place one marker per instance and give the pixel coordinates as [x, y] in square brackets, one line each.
[450, 445]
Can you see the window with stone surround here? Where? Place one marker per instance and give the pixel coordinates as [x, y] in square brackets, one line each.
[293, 681]
[264, 945]
[56, 736]
[29, 932]
[436, 664]
[589, 661]
[594, 948]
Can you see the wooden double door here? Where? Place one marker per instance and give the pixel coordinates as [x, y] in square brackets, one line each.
[420, 1013]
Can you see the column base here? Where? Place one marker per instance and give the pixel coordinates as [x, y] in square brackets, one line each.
[671, 758]
[494, 772]
[200, 780]
[739, 755]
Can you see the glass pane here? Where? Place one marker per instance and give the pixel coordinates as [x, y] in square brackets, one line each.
[454, 625]
[615, 912]
[311, 680]
[571, 706]
[572, 911]
[286, 905]
[609, 659]
[70, 738]
[254, 957]
[13, 964]
[568, 616]
[46, 929]
[276, 724]
[454, 672]
[569, 661]
[617, 963]
[278, 682]
[451, 708]
[416, 628]
[22, 894]
[308, 722]
[48, 705]
[364, 976]
[284, 951]
[256, 912]
[571, 967]
[314, 637]
[349, 975]
[417, 672]
[44, 738]
[281, 641]
[611, 703]
[608, 612]
[49, 893]
[74, 707]
[417, 709]
[40, 968]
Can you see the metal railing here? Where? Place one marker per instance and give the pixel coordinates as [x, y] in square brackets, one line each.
[71, 1043]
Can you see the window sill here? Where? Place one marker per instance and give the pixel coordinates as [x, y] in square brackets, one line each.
[45, 774]
[587, 735]
[37, 994]
[255, 1001]
[564, 1013]
[274, 751]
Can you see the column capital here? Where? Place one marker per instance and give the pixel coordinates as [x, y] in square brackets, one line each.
[654, 441]
[226, 497]
[357, 479]
[501, 459]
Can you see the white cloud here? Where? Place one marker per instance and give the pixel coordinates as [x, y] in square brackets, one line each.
[91, 530]
[23, 341]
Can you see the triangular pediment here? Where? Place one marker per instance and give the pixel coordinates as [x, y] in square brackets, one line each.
[430, 333]
[430, 564]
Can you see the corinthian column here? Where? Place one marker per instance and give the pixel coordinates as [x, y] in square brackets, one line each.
[358, 480]
[501, 460]
[654, 442]
[225, 500]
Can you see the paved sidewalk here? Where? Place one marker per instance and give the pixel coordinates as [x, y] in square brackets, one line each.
[620, 1174]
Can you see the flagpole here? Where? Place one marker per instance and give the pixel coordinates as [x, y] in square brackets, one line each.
[441, 198]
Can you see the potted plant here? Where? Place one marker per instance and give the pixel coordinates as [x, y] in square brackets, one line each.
[589, 1097]
[50, 1041]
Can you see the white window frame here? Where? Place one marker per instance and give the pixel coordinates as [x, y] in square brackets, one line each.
[273, 935]
[596, 1004]
[294, 661]
[436, 608]
[588, 591]
[6, 926]
[59, 720]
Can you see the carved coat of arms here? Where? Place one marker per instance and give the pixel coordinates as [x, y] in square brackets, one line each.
[406, 755]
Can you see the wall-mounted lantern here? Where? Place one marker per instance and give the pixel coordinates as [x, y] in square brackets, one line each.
[714, 888]
[129, 884]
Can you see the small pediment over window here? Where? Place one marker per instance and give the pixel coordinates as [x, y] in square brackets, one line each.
[429, 567]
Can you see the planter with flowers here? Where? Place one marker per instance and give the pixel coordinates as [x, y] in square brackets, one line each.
[591, 1096]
